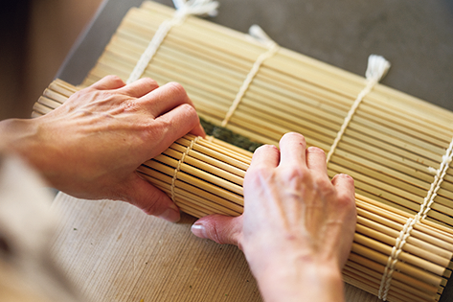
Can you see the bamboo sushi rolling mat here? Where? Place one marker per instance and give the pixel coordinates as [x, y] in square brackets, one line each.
[393, 147]
[204, 176]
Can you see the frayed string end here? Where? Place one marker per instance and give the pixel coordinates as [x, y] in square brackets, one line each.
[377, 68]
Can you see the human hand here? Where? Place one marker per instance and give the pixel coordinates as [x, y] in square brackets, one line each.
[297, 227]
[91, 146]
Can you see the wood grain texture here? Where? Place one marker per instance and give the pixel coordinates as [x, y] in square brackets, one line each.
[114, 252]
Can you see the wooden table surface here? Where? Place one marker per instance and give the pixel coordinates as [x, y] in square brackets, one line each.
[112, 251]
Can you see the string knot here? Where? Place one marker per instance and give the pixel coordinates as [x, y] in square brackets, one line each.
[195, 7]
[259, 34]
[432, 170]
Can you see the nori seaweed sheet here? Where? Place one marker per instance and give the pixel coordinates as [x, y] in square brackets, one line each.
[229, 136]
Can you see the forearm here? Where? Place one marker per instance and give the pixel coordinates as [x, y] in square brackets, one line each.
[302, 283]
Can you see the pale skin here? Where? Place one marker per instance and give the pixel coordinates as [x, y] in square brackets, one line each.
[297, 228]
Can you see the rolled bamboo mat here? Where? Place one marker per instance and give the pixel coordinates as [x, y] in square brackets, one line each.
[393, 146]
[205, 176]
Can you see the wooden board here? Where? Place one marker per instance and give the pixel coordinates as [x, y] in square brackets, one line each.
[114, 252]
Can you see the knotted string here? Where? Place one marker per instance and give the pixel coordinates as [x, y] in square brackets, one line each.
[183, 10]
[377, 68]
[256, 32]
[178, 167]
[425, 207]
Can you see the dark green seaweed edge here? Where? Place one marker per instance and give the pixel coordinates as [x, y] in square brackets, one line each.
[229, 136]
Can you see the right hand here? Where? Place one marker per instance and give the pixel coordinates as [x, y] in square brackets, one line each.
[297, 228]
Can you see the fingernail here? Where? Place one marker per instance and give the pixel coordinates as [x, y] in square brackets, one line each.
[198, 230]
[170, 215]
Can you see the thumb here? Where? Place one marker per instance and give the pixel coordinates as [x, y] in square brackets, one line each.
[150, 199]
[219, 228]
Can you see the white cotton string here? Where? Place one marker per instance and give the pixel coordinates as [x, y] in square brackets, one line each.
[425, 207]
[393, 258]
[183, 10]
[438, 179]
[178, 167]
[256, 32]
[196, 7]
[377, 68]
[432, 170]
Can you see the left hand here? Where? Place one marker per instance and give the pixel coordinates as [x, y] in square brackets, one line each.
[91, 146]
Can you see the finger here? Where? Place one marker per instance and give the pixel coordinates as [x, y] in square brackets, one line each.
[219, 228]
[292, 149]
[344, 185]
[175, 124]
[345, 210]
[165, 98]
[139, 88]
[267, 156]
[108, 82]
[150, 199]
[316, 161]
[198, 130]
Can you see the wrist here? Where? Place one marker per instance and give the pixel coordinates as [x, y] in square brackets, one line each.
[21, 136]
[303, 282]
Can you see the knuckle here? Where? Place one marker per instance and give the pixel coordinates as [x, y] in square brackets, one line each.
[150, 82]
[258, 172]
[345, 200]
[151, 130]
[129, 105]
[258, 177]
[189, 110]
[190, 114]
[324, 185]
[150, 207]
[176, 88]
[79, 94]
[114, 79]
[295, 173]
[216, 236]
[214, 231]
